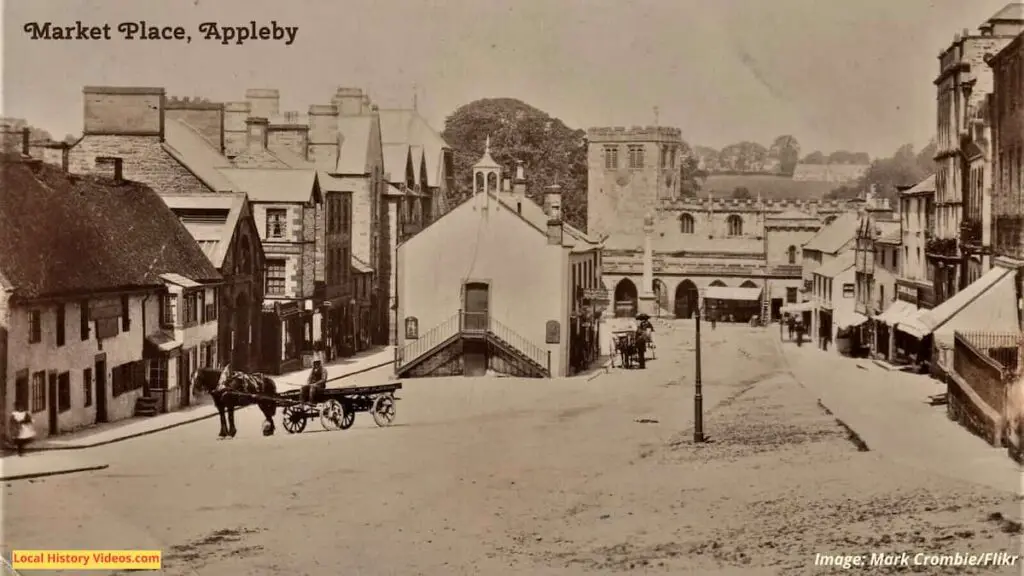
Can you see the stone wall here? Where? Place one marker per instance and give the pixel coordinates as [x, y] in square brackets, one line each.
[144, 160]
[118, 110]
[205, 117]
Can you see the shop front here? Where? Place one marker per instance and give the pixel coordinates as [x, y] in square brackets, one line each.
[336, 324]
[584, 330]
[286, 336]
[729, 304]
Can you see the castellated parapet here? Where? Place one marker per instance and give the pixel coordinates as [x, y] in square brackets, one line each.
[809, 206]
[634, 134]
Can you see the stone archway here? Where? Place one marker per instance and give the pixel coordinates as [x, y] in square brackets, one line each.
[625, 299]
[687, 299]
[661, 294]
[748, 284]
[717, 283]
[240, 322]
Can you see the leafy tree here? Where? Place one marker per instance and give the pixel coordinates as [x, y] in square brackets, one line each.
[70, 139]
[742, 192]
[691, 175]
[815, 157]
[903, 168]
[743, 157]
[551, 152]
[709, 156]
[787, 149]
[847, 157]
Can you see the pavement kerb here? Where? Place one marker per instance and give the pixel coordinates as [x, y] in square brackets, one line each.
[33, 475]
[175, 425]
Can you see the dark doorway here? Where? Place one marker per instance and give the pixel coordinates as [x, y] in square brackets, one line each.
[100, 370]
[51, 396]
[625, 299]
[474, 357]
[687, 298]
[240, 323]
[475, 307]
[186, 360]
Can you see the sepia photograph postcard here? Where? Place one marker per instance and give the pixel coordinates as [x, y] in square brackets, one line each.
[511, 287]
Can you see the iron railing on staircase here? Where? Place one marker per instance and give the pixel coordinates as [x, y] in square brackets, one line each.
[429, 340]
[533, 352]
[471, 323]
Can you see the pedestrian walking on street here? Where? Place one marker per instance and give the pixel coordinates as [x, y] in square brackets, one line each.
[799, 333]
[790, 321]
[315, 383]
[641, 347]
[22, 429]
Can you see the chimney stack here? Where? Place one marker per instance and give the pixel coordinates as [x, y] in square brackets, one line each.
[323, 136]
[112, 163]
[265, 102]
[349, 101]
[367, 107]
[553, 209]
[235, 129]
[26, 148]
[256, 130]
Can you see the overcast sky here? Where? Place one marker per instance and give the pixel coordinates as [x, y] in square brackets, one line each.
[837, 74]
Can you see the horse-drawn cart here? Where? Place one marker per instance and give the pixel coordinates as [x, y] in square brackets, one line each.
[336, 408]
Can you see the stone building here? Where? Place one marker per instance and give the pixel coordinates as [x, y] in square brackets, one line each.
[410, 207]
[107, 303]
[1007, 114]
[498, 283]
[962, 84]
[176, 150]
[697, 242]
[876, 268]
[976, 227]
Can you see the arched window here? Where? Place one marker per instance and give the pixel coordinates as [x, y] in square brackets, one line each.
[792, 254]
[686, 224]
[479, 187]
[735, 225]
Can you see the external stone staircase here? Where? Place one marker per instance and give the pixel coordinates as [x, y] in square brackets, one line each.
[525, 356]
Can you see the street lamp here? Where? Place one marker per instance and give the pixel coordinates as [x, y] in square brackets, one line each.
[698, 396]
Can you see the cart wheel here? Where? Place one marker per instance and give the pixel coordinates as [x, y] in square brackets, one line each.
[332, 415]
[384, 410]
[294, 419]
[348, 417]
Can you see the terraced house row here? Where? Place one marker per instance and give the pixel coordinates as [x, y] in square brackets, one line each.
[298, 215]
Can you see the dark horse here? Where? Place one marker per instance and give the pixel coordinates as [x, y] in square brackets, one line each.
[231, 390]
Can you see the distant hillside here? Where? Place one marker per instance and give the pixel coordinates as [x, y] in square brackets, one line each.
[770, 187]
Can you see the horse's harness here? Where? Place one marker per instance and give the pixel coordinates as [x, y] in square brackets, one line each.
[251, 383]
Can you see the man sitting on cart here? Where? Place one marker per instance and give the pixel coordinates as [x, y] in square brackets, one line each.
[315, 383]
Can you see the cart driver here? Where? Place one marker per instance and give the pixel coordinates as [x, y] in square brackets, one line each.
[315, 383]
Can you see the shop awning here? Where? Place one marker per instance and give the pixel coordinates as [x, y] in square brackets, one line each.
[797, 307]
[161, 343]
[730, 293]
[989, 303]
[848, 318]
[898, 311]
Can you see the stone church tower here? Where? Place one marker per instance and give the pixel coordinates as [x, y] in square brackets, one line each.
[629, 172]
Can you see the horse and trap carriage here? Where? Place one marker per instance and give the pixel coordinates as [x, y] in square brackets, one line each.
[336, 408]
[628, 345]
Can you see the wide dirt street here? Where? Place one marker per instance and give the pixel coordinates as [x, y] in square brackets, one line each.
[503, 476]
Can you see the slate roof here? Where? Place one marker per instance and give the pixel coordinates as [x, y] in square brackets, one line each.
[286, 185]
[64, 236]
[408, 127]
[534, 214]
[837, 266]
[926, 186]
[186, 145]
[396, 157]
[354, 144]
[1012, 11]
[214, 237]
[832, 237]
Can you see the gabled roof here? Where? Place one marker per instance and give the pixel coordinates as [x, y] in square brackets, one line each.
[186, 145]
[1012, 11]
[213, 234]
[396, 158]
[837, 266]
[354, 144]
[926, 186]
[285, 185]
[416, 154]
[62, 236]
[408, 127]
[832, 237]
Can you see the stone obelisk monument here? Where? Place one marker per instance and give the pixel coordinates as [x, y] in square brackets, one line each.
[647, 301]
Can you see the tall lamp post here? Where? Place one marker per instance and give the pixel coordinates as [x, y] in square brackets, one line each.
[698, 396]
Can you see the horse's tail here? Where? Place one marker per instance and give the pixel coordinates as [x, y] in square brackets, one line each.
[270, 389]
